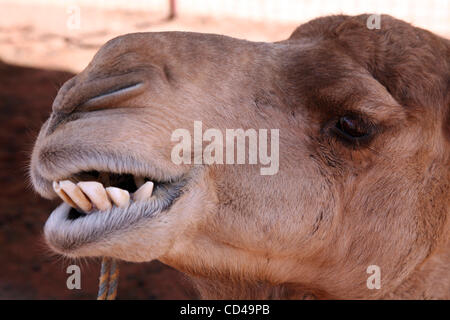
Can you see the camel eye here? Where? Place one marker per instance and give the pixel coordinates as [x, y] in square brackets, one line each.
[352, 128]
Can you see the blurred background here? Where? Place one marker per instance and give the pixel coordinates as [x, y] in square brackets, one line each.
[45, 42]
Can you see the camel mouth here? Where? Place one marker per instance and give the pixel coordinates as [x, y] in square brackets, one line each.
[97, 204]
[83, 191]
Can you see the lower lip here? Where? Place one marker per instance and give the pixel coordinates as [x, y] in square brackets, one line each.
[67, 233]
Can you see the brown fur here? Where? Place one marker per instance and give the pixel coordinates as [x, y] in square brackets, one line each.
[332, 210]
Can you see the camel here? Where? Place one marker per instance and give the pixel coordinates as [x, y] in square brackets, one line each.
[363, 116]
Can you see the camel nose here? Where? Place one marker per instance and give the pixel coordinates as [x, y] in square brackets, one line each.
[92, 91]
[58, 103]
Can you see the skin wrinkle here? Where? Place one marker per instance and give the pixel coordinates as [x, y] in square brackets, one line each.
[335, 207]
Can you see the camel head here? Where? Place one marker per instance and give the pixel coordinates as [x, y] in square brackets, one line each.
[353, 170]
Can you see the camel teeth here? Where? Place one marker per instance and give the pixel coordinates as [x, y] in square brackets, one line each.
[64, 197]
[118, 196]
[76, 195]
[96, 193]
[144, 192]
[139, 181]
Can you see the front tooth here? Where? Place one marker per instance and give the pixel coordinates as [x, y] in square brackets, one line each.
[118, 196]
[96, 193]
[144, 192]
[77, 196]
[63, 195]
[139, 181]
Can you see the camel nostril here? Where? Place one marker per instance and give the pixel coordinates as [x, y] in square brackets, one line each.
[96, 95]
[90, 91]
[112, 95]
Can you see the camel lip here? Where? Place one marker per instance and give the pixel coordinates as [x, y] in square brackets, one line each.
[65, 164]
[66, 230]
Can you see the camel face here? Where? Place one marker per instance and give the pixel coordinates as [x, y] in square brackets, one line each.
[363, 159]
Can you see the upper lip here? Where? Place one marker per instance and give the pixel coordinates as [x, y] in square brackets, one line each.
[61, 168]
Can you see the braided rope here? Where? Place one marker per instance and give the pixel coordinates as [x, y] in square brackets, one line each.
[109, 277]
[113, 280]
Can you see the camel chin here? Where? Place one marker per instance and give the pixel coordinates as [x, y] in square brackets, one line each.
[356, 121]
